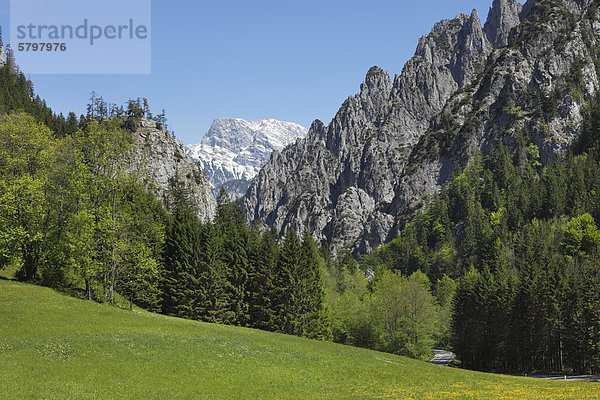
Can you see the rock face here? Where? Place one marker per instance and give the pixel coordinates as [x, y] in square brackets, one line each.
[165, 160]
[357, 181]
[503, 16]
[234, 150]
[2, 52]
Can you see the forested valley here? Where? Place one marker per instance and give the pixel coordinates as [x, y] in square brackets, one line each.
[501, 267]
[77, 213]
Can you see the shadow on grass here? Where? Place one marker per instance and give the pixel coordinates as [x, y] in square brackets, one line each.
[79, 293]
[72, 292]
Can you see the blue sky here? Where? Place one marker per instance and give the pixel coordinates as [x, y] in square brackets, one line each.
[290, 60]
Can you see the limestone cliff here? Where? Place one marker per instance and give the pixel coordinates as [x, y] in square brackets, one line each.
[166, 162]
[523, 76]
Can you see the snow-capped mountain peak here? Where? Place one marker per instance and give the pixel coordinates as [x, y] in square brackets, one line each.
[234, 150]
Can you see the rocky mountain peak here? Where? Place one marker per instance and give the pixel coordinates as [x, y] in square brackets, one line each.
[439, 43]
[444, 60]
[472, 37]
[233, 150]
[374, 93]
[388, 150]
[317, 130]
[472, 46]
[377, 80]
[503, 16]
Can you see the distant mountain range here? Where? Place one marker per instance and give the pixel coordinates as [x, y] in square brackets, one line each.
[234, 150]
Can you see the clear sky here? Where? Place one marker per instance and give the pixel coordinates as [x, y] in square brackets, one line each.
[289, 60]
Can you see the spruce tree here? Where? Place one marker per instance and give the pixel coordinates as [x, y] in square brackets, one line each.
[185, 277]
[287, 294]
[467, 319]
[314, 315]
[233, 232]
[263, 252]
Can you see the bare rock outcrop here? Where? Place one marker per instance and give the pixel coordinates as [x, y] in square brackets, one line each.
[166, 162]
[524, 76]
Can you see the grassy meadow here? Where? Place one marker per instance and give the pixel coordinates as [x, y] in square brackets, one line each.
[56, 347]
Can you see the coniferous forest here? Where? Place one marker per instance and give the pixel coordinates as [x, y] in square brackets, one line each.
[502, 266]
[522, 242]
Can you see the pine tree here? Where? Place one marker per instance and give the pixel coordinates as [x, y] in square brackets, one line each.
[314, 315]
[467, 319]
[185, 277]
[72, 124]
[232, 229]
[263, 251]
[287, 293]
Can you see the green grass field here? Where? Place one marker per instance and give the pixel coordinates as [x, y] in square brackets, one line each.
[57, 347]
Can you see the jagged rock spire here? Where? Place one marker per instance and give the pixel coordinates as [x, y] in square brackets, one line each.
[472, 44]
[2, 53]
[503, 16]
[472, 37]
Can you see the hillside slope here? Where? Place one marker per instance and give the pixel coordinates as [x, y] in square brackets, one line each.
[57, 347]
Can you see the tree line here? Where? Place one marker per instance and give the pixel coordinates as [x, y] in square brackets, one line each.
[225, 272]
[71, 208]
[79, 212]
